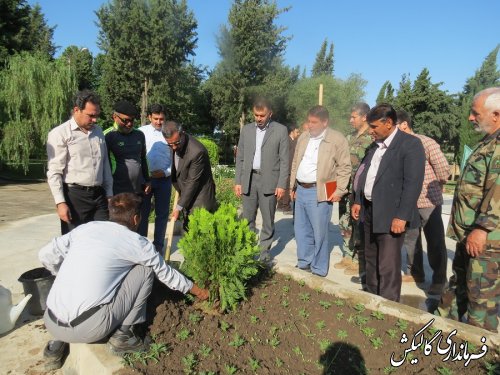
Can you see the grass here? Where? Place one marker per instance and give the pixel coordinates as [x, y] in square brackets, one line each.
[183, 334]
[230, 369]
[304, 297]
[195, 318]
[402, 325]
[205, 350]
[339, 302]
[320, 325]
[342, 334]
[237, 341]
[254, 364]
[376, 342]
[368, 331]
[190, 361]
[224, 325]
[378, 315]
[393, 334]
[324, 344]
[274, 342]
[325, 304]
[153, 354]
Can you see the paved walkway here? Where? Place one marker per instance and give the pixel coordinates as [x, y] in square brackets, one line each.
[20, 241]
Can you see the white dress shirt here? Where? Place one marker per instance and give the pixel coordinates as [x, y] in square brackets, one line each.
[309, 164]
[76, 157]
[92, 260]
[157, 151]
[259, 138]
[375, 164]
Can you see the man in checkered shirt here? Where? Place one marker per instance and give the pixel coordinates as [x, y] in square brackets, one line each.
[430, 201]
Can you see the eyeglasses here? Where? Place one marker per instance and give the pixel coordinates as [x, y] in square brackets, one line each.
[176, 143]
[125, 120]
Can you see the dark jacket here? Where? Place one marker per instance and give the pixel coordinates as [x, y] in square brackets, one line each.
[193, 178]
[398, 183]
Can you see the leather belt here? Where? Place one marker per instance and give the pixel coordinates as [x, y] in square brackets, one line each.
[307, 185]
[86, 188]
[79, 319]
[256, 171]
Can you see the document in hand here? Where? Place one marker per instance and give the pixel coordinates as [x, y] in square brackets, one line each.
[330, 187]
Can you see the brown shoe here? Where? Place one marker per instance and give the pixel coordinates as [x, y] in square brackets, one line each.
[352, 270]
[412, 279]
[344, 263]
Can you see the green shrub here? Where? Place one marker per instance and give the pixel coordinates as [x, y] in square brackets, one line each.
[220, 254]
[224, 185]
[212, 148]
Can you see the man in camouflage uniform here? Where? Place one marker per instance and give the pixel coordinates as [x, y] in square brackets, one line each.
[475, 286]
[353, 245]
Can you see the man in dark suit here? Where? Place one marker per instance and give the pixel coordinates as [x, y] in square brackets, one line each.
[389, 187]
[262, 167]
[191, 172]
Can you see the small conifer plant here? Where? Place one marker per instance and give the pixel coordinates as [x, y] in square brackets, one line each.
[220, 254]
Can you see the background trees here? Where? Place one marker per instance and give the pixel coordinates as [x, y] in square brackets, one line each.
[23, 28]
[147, 55]
[147, 49]
[251, 47]
[30, 113]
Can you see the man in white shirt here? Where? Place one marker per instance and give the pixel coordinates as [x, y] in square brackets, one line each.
[321, 155]
[105, 272]
[79, 174]
[159, 163]
[389, 187]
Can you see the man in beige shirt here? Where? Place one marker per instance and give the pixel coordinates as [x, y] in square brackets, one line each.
[79, 174]
[321, 155]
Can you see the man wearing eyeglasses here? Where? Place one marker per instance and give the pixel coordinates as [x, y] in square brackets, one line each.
[191, 172]
[78, 173]
[127, 148]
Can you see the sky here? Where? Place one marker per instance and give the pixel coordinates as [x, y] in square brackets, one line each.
[380, 40]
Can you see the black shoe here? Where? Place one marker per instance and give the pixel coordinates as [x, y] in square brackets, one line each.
[54, 354]
[306, 268]
[358, 280]
[122, 342]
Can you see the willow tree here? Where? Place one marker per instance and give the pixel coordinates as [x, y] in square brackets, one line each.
[35, 95]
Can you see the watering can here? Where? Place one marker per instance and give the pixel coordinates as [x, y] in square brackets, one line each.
[9, 313]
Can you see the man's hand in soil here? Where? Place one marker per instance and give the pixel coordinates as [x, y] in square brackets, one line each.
[64, 212]
[201, 294]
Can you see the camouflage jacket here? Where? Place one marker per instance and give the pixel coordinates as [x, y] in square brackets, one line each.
[357, 148]
[477, 196]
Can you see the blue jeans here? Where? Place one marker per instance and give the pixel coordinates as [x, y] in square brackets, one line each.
[161, 189]
[311, 231]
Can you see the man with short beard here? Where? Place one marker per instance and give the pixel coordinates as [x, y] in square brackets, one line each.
[474, 290]
[127, 148]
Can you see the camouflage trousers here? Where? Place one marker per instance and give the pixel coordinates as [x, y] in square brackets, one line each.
[473, 293]
[351, 231]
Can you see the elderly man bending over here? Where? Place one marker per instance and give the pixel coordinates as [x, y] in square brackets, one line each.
[105, 272]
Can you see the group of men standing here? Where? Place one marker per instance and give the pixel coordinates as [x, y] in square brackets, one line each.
[389, 185]
[106, 268]
[388, 182]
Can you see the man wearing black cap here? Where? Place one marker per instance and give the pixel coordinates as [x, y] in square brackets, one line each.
[127, 150]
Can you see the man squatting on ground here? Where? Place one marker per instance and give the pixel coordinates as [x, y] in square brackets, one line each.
[105, 272]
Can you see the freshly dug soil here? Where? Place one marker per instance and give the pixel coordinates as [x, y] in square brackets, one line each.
[286, 327]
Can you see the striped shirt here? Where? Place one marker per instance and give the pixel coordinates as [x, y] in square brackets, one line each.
[437, 171]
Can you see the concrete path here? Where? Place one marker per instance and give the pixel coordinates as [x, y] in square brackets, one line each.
[20, 241]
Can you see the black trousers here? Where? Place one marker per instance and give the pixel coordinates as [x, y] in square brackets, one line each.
[383, 260]
[85, 205]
